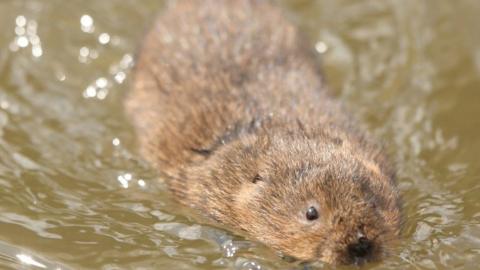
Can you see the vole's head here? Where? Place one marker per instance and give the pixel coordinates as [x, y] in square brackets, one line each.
[328, 199]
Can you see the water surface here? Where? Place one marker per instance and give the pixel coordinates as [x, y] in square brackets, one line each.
[75, 195]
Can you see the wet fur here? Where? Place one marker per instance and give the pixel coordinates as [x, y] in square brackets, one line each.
[229, 105]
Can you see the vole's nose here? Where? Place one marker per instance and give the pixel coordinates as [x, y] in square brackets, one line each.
[363, 248]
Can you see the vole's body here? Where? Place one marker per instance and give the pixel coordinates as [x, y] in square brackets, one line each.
[229, 105]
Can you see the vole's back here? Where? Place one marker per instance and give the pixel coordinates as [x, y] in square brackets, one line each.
[208, 65]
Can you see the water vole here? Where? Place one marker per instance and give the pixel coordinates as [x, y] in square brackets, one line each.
[230, 106]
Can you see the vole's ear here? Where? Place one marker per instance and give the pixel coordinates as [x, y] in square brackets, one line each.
[257, 178]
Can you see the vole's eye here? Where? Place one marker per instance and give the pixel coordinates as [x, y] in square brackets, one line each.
[312, 213]
[256, 178]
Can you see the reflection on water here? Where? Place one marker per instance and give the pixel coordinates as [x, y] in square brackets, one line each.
[74, 195]
[16, 258]
[26, 32]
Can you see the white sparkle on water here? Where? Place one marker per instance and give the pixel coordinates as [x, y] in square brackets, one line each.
[321, 47]
[120, 77]
[20, 31]
[4, 104]
[101, 82]
[86, 22]
[102, 94]
[124, 179]
[104, 38]
[22, 41]
[90, 92]
[21, 21]
[28, 260]
[26, 34]
[84, 52]
[116, 141]
[37, 51]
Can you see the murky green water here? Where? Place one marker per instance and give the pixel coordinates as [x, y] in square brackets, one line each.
[74, 195]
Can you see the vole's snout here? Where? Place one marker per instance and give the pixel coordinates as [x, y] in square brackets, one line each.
[361, 249]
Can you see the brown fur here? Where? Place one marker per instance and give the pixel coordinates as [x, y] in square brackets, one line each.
[229, 105]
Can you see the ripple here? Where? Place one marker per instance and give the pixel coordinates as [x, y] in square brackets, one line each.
[72, 185]
[40, 227]
[19, 258]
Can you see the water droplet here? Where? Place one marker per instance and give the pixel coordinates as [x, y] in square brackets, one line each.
[250, 265]
[229, 248]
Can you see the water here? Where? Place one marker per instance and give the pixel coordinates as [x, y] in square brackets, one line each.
[74, 195]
